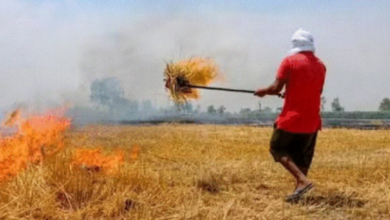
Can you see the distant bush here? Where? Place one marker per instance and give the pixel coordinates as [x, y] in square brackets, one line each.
[357, 115]
[326, 115]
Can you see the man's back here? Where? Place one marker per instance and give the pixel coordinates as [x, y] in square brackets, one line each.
[294, 137]
[305, 75]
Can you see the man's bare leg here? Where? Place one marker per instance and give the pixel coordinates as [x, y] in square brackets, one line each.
[301, 180]
[304, 170]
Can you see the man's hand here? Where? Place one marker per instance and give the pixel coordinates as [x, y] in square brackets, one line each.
[273, 89]
[261, 92]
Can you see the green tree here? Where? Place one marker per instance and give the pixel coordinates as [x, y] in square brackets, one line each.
[221, 110]
[336, 106]
[211, 110]
[244, 112]
[107, 92]
[385, 105]
[267, 110]
[188, 108]
[323, 102]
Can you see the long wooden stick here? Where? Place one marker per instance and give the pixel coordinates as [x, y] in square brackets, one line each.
[224, 89]
[221, 89]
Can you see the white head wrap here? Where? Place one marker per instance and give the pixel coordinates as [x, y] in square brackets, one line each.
[302, 41]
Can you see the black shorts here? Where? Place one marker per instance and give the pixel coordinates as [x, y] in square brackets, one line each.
[298, 147]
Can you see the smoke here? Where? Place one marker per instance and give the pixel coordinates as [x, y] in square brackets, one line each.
[137, 55]
[53, 51]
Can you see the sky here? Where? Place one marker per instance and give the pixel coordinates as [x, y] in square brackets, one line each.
[50, 51]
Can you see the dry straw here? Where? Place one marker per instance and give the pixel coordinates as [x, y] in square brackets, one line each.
[195, 71]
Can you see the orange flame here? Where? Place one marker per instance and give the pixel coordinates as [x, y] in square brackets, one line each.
[37, 137]
[196, 71]
[94, 160]
[134, 152]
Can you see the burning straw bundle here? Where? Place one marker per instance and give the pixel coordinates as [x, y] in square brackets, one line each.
[183, 78]
[196, 71]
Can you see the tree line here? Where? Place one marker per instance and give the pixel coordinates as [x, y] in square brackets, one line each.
[108, 95]
[337, 107]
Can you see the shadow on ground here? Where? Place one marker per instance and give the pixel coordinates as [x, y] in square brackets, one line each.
[337, 201]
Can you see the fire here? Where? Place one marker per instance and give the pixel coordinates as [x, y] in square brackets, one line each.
[37, 137]
[197, 71]
[134, 152]
[94, 160]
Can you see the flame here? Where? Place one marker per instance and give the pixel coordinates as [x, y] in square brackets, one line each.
[197, 71]
[94, 160]
[134, 152]
[37, 137]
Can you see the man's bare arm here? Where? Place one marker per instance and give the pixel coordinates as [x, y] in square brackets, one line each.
[273, 89]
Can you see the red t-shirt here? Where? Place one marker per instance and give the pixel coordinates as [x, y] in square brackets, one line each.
[305, 75]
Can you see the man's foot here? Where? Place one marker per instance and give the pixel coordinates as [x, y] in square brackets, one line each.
[301, 184]
[298, 193]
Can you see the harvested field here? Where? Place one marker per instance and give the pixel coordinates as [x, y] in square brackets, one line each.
[201, 172]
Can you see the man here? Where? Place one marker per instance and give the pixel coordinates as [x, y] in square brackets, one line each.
[294, 137]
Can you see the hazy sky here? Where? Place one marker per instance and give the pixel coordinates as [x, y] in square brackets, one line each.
[48, 49]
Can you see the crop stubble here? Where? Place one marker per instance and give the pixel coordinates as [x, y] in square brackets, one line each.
[203, 172]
